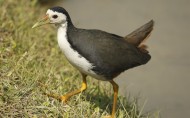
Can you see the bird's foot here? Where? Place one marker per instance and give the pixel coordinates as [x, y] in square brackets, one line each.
[53, 96]
[64, 98]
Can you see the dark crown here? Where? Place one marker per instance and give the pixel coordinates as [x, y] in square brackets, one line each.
[59, 9]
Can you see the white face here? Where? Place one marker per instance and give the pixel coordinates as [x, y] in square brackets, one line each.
[56, 17]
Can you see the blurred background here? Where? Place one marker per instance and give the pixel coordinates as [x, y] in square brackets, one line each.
[163, 82]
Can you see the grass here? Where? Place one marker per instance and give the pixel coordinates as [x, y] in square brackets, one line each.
[29, 57]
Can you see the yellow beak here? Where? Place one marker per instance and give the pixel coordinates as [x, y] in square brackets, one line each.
[43, 21]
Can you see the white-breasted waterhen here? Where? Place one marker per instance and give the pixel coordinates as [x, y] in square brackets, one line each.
[97, 53]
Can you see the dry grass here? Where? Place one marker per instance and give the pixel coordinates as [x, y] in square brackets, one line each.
[29, 57]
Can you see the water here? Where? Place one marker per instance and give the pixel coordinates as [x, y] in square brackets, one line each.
[165, 81]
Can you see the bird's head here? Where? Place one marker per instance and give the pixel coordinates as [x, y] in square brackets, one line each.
[55, 15]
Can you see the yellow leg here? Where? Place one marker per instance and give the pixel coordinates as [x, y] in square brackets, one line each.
[65, 97]
[115, 88]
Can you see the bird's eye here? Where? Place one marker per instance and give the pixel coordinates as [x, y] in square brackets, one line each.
[54, 16]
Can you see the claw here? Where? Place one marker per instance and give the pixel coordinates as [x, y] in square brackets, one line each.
[53, 96]
[63, 98]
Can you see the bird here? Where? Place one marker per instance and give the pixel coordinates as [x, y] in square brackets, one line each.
[97, 53]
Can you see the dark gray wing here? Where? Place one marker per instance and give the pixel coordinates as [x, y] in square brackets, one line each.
[110, 53]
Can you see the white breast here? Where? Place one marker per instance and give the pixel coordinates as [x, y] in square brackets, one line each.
[73, 56]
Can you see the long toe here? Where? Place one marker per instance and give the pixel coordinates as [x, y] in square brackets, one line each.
[64, 98]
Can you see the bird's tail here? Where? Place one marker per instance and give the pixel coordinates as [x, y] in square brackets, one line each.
[138, 36]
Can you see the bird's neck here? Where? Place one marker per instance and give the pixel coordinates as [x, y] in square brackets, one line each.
[62, 25]
[65, 30]
[62, 30]
[66, 26]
